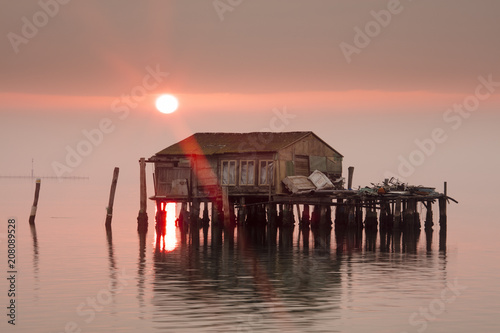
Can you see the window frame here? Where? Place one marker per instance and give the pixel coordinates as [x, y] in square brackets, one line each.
[229, 162]
[246, 162]
[268, 182]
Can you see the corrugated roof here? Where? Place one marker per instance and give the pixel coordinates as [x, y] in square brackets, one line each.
[221, 143]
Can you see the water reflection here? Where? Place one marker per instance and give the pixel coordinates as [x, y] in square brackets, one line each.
[271, 272]
[141, 274]
[112, 265]
[36, 268]
[166, 231]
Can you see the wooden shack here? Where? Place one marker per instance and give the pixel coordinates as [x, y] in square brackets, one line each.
[266, 173]
[250, 165]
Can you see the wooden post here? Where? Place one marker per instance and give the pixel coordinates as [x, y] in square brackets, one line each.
[442, 212]
[442, 207]
[359, 214]
[286, 215]
[272, 214]
[397, 213]
[195, 212]
[242, 212]
[305, 215]
[299, 214]
[142, 218]
[213, 213]
[206, 219]
[349, 179]
[225, 205]
[428, 217]
[35, 202]
[351, 217]
[383, 214]
[109, 214]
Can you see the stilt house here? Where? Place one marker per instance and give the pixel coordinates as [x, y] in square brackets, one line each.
[250, 165]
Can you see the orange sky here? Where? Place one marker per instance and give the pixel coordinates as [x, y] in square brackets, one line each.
[231, 69]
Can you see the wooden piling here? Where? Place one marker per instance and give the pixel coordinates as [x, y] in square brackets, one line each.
[215, 212]
[371, 221]
[349, 178]
[428, 217]
[315, 216]
[397, 213]
[35, 202]
[242, 211]
[288, 219]
[442, 207]
[272, 214]
[305, 216]
[442, 212]
[195, 212]
[351, 216]
[383, 215]
[408, 214]
[142, 218]
[261, 215]
[299, 213]
[161, 219]
[109, 214]
[206, 219]
[225, 205]
[359, 214]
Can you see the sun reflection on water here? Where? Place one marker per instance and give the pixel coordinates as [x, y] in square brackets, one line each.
[168, 242]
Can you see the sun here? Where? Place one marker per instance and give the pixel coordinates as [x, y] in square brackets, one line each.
[167, 103]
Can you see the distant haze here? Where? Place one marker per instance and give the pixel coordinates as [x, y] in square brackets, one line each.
[372, 95]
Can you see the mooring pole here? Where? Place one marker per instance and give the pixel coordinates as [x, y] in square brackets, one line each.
[142, 218]
[109, 209]
[35, 202]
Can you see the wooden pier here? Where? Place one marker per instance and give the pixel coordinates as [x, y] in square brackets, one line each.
[278, 179]
[344, 209]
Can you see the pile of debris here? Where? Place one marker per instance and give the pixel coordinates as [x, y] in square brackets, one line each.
[317, 182]
[394, 187]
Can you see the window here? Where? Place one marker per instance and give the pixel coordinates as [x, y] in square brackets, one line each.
[228, 173]
[266, 172]
[247, 172]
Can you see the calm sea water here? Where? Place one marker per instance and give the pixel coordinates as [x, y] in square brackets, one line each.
[73, 277]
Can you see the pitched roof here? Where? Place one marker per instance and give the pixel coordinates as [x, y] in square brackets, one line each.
[221, 143]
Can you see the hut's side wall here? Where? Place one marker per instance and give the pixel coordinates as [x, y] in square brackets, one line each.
[305, 156]
[169, 170]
